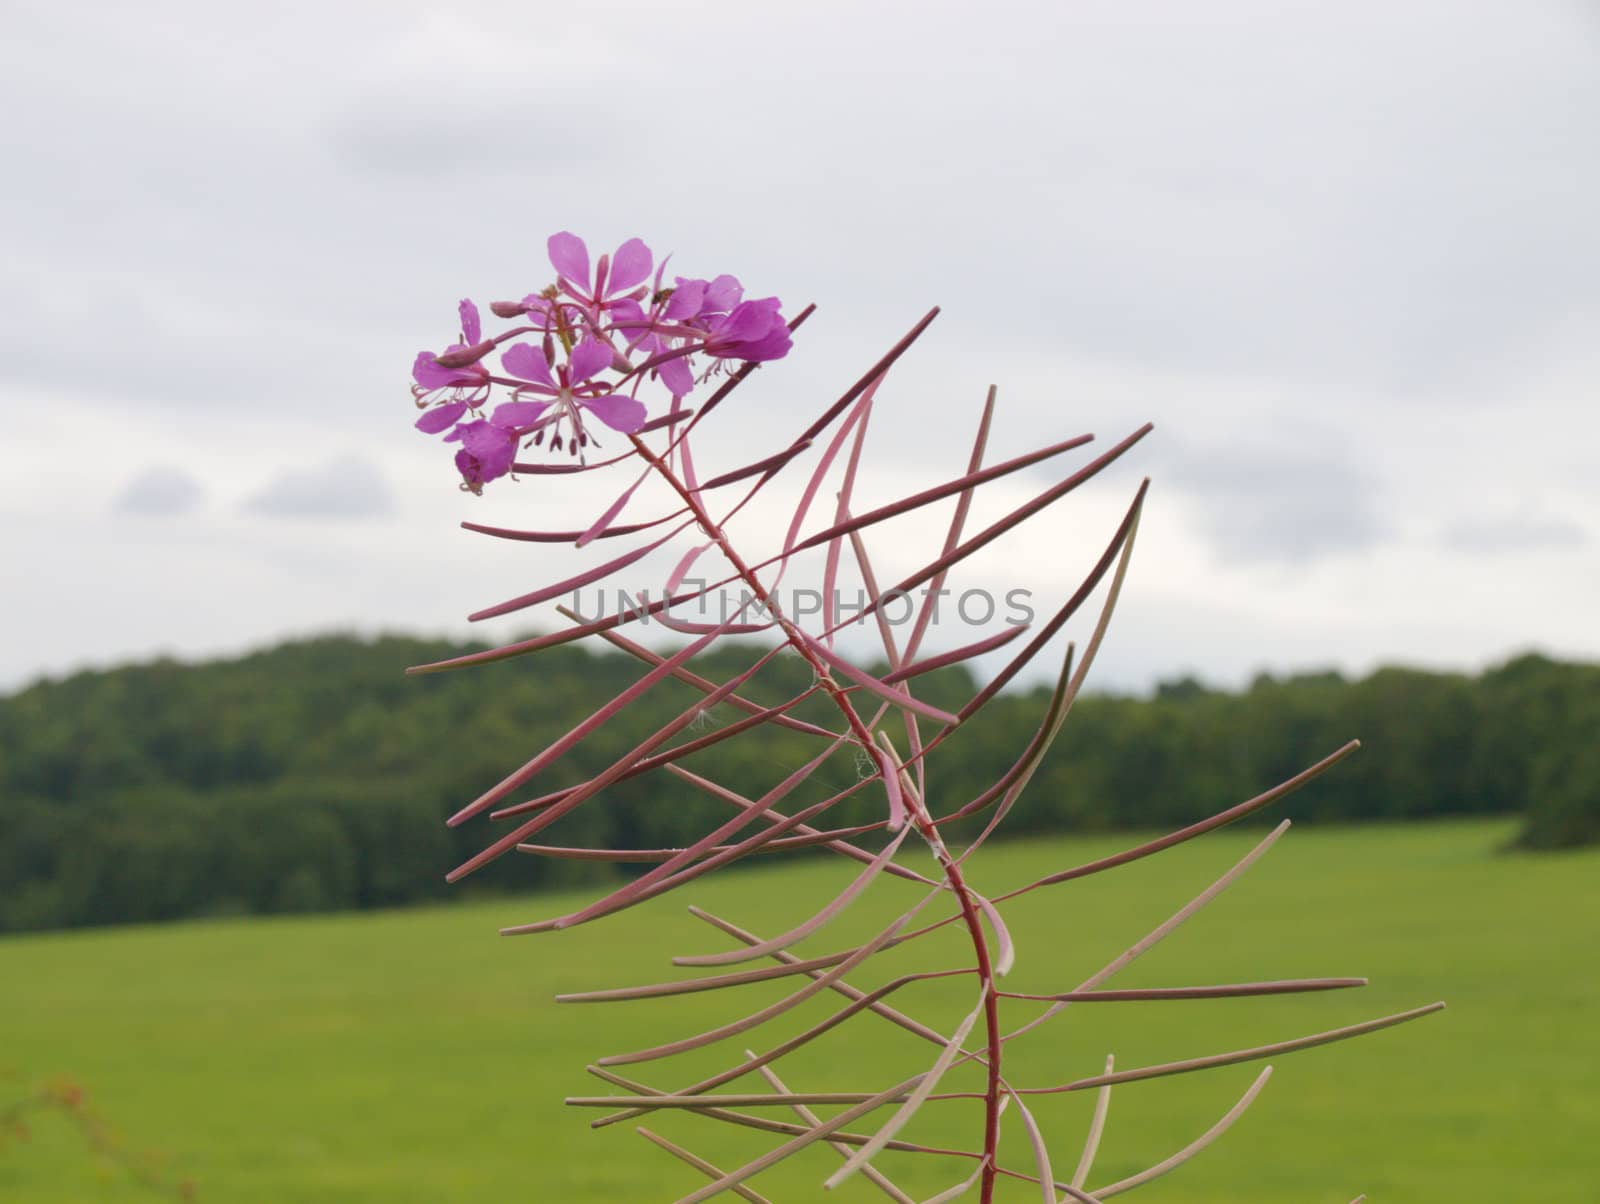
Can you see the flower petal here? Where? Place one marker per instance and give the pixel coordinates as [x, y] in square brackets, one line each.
[477, 469]
[722, 294]
[591, 356]
[675, 374]
[514, 414]
[498, 461]
[629, 266]
[627, 318]
[471, 326]
[617, 410]
[749, 320]
[436, 419]
[428, 372]
[527, 362]
[774, 345]
[486, 440]
[537, 308]
[570, 258]
[687, 300]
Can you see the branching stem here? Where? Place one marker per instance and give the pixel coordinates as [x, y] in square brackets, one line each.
[916, 811]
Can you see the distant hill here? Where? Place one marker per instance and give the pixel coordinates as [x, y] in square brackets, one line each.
[316, 776]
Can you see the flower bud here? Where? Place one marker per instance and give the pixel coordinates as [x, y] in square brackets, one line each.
[461, 357]
[507, 309]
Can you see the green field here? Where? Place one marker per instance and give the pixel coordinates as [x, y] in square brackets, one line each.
[416, 1056]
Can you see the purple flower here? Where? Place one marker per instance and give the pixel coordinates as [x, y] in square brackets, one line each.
[489, 446]
[573, 389]
[454, 379]
[752, 330]
[615, 282]
[677, 322]
[600, 333]
[486, 452]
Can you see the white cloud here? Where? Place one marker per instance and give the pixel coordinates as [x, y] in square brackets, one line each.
[1345, 258]
[160, 491]
[342, 488]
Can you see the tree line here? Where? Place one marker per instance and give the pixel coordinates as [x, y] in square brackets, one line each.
[315, 776]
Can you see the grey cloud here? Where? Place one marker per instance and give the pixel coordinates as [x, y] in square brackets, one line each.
[1318, 195]
[232, 219]
[1505, 534]
[347, 488]
[1284, 503]
[160, 491]
[459, 133]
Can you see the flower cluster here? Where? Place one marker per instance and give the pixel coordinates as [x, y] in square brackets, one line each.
[582, 349]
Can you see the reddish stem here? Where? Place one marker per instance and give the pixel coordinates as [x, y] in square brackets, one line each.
[915, 808]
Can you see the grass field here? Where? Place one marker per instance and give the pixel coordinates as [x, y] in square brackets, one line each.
[416, 1056]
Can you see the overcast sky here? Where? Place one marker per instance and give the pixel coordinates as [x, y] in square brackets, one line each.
[1343, 255]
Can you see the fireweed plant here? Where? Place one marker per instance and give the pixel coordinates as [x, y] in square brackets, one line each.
[613, 366]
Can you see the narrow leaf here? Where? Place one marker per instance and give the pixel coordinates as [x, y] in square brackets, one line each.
[892, 787]
[563, 744]
[872, 685]
[799, 932]
[634, 891]
[842, 847]
[689, 986]
[955, 656]
[689, 677]
[1236, 990]
[938, 493]
[871, 376]
[1255, 1052]
[1006, 950]
[730, 1099]
[701, 1165]
[655, 424]
[1161, 931]
[817, 1133]
[771, 464]
[1121, 541]
[870, 580]
[900, 1019]
[1027, 510]
[1194, 1147]
[567, 536]
[755, 1019]
[1220, 819]
[814, 483]
[830, 572]
[586, 791]
[1097, 1128]
[872, 1174]
[870, 1001]
[577, 581]
[957, 524]
[610, 512]
[546, 468]
[677, 751]
[1041, 1152]
[915, 1100]
[780, 845]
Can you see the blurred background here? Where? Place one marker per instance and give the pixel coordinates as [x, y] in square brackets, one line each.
[1343, 256]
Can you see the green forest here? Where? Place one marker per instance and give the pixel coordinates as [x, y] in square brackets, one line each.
[316, 776]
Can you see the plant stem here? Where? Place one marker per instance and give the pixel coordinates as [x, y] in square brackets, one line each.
[915, 809]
